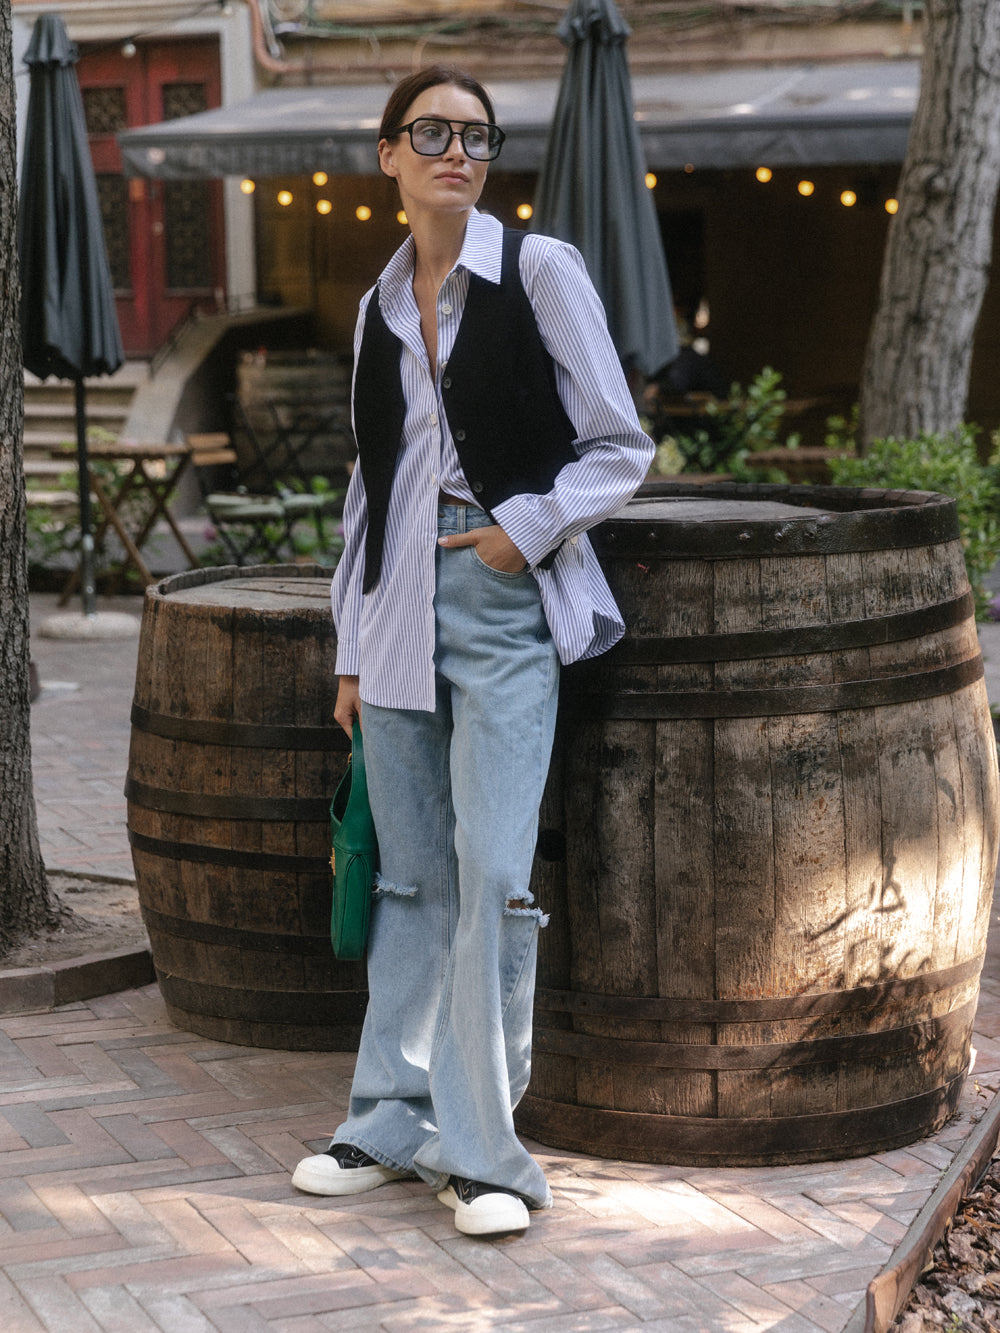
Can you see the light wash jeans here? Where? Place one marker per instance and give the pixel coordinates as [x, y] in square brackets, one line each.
[446, 1048]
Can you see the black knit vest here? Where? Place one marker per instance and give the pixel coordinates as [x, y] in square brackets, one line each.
[510, 429]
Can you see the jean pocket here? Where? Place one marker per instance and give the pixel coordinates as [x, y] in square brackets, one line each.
[497, 573]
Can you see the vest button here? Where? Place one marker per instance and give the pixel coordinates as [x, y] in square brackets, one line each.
[477, 487]
[460, 435]
[446, 383]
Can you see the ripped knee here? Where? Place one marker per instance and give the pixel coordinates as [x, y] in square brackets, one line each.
[522, 906]
[386, 886]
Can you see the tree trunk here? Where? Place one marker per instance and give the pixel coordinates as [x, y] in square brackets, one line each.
[25, 904]
[936, 266]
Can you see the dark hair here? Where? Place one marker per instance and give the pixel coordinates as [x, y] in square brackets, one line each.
[433, 76]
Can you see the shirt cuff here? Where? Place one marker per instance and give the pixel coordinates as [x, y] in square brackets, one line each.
[520, 523]
[347, 663]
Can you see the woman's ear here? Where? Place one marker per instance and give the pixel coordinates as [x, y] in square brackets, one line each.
[385, 158]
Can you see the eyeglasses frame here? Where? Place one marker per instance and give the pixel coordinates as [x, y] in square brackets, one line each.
[494, 132]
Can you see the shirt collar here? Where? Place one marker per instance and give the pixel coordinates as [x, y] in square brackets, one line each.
[481, 254]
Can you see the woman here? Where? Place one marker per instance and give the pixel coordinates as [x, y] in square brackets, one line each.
[494, 427]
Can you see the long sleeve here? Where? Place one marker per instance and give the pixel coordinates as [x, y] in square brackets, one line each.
[614, 452]
[345, 591]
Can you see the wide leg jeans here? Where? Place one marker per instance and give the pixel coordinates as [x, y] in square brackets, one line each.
[445, 1051]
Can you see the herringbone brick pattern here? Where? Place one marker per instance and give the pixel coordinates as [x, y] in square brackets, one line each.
[144, 1187]
[79, 745]
[144, 1171]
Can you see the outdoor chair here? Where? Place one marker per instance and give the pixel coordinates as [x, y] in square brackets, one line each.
[250, 527]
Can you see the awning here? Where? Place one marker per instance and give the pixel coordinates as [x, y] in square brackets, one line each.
[815, 114]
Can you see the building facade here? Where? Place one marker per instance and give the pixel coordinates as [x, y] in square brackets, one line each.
[774, 134]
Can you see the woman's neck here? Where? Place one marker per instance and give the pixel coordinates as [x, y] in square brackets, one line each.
[438, 241]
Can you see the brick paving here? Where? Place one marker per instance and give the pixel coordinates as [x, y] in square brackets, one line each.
[144, 1171]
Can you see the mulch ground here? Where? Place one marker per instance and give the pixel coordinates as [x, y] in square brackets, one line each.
[960, 1291]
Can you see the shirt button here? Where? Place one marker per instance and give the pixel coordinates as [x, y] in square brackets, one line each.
[446, 308]
[434, 418]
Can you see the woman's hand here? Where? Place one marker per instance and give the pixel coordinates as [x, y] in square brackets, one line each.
[493, 547]
[348, 706]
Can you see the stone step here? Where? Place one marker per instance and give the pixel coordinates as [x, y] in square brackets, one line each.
[99, 412]
[48, 467]
[39, 443]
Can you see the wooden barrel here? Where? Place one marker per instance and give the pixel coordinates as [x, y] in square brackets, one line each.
[234, 757]
[769, 837]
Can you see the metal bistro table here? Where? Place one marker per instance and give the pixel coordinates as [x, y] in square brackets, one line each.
[133, 500]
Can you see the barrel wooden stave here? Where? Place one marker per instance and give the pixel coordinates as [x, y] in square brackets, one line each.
[230, 835]
[886, 813]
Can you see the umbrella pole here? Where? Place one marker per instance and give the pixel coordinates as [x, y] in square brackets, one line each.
[86, 534]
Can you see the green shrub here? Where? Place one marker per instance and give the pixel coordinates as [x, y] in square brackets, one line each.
[949, 464]
[735, 429]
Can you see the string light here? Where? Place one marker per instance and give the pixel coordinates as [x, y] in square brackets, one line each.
[848, 198]
[320, 178]
[324, 206]
[362, 212]
[285, 197]
[524, 212]
[401, 217]
[650, 180]
[892, 205]
[763, 174]
[806, 188]
[689, 167]
[247, 186]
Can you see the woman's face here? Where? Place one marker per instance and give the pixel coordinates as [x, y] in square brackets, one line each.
[452, 182]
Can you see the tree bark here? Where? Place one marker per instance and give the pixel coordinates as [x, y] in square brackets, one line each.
[936, 265]
[25, 903]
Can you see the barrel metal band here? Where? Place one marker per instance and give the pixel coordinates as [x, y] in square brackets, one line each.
[242, 735]
[295, 1008]
[228, 937]
[770, 1010]
[658, 1137]
[830, 698]
[768, 1055]
[236, 859]
[282, 809]
[794, 641]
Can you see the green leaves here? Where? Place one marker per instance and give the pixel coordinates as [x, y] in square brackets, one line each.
[949, 464]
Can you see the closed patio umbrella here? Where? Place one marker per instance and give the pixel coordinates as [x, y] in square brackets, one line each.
[592, 191]
[69, 326]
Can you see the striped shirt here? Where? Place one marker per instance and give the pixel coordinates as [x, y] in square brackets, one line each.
[386, 637]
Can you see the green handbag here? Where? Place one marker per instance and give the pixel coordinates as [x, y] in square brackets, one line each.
[355, 856]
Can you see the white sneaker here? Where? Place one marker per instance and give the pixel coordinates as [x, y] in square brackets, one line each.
[484, 1210]
[343, 1169]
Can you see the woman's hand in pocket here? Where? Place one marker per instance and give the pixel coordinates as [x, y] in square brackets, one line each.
[493, 547]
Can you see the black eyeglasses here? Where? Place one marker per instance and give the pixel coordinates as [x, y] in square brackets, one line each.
[431, 137]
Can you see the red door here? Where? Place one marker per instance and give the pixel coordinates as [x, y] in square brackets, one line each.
[164, 238]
